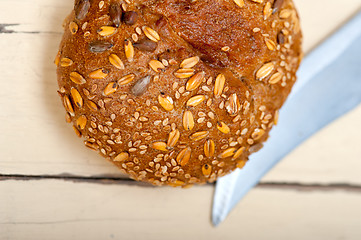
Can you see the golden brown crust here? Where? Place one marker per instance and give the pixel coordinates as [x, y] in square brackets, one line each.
[177, 91]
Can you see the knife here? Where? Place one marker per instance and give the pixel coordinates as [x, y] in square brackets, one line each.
[329, 86]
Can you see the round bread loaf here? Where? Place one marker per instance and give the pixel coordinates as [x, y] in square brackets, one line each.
[177, 92]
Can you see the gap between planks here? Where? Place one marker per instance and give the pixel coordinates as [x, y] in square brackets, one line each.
[4, 29]
[126, 181]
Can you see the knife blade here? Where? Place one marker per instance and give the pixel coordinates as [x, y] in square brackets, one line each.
[329, 86]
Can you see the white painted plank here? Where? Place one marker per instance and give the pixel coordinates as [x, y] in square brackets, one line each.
[322, 17]
[51, 209]
[31, 114]
[333, 154]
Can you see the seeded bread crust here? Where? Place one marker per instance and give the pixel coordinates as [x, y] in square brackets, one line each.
[177, 92]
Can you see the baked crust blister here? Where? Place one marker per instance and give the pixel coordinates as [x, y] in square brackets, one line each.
[177, 92]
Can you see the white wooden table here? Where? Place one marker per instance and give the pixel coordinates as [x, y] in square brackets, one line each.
[51, 187]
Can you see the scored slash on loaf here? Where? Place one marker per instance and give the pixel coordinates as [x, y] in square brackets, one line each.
[177, 92]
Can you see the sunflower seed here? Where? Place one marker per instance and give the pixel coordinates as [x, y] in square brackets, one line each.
[141, 86]
[209, 148]
[227, 153]
[199, 135]
[219, 85]
[166, 102]
[78, 100]
[184, 156]
[77, 78]
[116, 61]
[99, 46]
[188, 120]
[277, 5]
[206, 170]
[126, 79]
[223, 127]
[146, 45]
[81, 8]
[173, 138]
[121, 157]
[156, 65]
[66, 62]
[280, 38]
[161, 146]
[73, 27]
[195, 81]
[189, 62]
[184, 73]
[151, 34]
[106, 31]
[115, 13]
[240, 3]
[130, 17]
[129, 50]
[110, 88]
[99, 73]
[265, 71]
[81, 122]
[196, 100]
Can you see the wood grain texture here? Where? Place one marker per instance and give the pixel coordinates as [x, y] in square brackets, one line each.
[93, 211]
